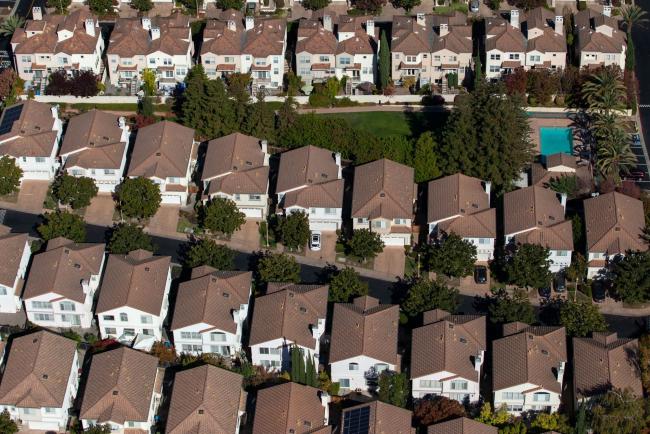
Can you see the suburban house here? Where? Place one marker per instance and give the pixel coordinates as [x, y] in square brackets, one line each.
[535, 215]
[15, 259]
[555, 166]
[233, 43]
[62, 283]
[604, 362]
[546, 43]
[30, 132]
[40, 381]
[462, 425]
[70, 42]
[291, 408]
[206, 399]
[376, 417]
[363, 343]
[600, 41]
[460, 204]
[383, 197]
[113, 398]
[528, 366]
[161, 44]
[447, 355]
[505, 45]
[165, 153]
[288, 315]
[310, 180]
[211, 311]
[614, 225]
[133, 300]
[95, 146]
[236, 167]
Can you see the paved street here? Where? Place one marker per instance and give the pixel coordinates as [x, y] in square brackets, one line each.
[641, 37]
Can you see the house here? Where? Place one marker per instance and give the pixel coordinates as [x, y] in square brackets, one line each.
[40, 381]
[237, 168]
[556, 166]
[546, 43]
[15, 259]
[113, 398]
[62, 283]
[461, 425]
[211, 311]
[383, 197]
[71, 42]
[290, 408]
[363, 343]
[165, 153]
[447, 355]
[528, 366]
[614, 225]
[161, 44]
[377, 417]
[233, 43]
[310, 180]
[535, 215]
[29, 133]
[600, 41]
[133, 302]
[505, 45]
[95, 146]
[460, 204]
[288, 315]
[604, 362]
[206, 399]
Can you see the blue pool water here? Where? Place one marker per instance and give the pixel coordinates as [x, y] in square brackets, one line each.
[554, 140]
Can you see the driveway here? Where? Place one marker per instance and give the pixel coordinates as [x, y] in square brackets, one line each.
[31, 196]
[469, 286]
[327, 250]
[391, 261]
[165, 221]
[248, 235]
[100, 211]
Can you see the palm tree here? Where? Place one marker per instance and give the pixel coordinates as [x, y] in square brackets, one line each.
[604, 91]
[631, 15]
[10, 24]
[616, 156]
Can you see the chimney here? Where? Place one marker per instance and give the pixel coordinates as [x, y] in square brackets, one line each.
[250, 22]
[419, 19]
[560, 372]
[370, 28]
[155, 33]
[265, 146]
[325, 401]
[146, 23]
[559, 24]
[478, 361]
[488, 189]
[55, 111]
[444, 29]
[327, 22]
[514, 18]
[563, 201]
[337, 159]
[607, 11]
[121, 122]
[232, 26]
[37, 13]
[90, 26]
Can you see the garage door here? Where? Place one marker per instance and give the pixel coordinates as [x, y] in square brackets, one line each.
[171, 199]
[45, 426]
[393, 241]
[252, 212]
[322, 226]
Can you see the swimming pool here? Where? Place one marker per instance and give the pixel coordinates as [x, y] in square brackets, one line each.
[554, 140]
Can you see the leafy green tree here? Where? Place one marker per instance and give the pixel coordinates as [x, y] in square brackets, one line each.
[10, 24]
[260, 119]
[631, 277]
[7, 426]
[138, 197]
[294, 230]
[425, 159]
[437, 409]
[148, 81]
[222, 215]
[127, 237]
[384, 71]
[567, 184]
[10, 175]
[545, 422]
[97, 429]
[393, 388]
[101, 7]
[453, 256]
[478, 72]
[618, 412]
[581, 420]
[230, 4]
[504, 308]
[142, 5]
[287, 114]
[63, 224]
[604, 91]
[8, 81]
[499, 417]
[315, 5]
[515, 427]
[208, 252]
[74, 191]
[424, 294]
[615, 155]
[278, 267]
[345, 285]
[578, 268]
[61, 6]
[365, 244]
[633, 14]
[529, 266]
[145, 107]
[580, 318]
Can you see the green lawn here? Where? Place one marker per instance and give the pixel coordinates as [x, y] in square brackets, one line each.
[392, 123]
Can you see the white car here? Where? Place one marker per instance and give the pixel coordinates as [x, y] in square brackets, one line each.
[314, 242]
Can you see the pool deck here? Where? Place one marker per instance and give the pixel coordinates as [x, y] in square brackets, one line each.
[537, 123]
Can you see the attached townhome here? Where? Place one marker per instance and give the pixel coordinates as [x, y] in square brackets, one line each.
[15, 259]
[383, 198]
[447, 355]
[288, 315]
[536, 215]
[600, 41]
[234, 43]
[505, 45]
[316, 49]
[62, 283]
[356, 52]
[30, 133]
[95, 146]
[206, 399]
[291, 408]
[160, 44]
[165, 153]
[557, 166]
[71, 42]
[462, 425]
[460, 204]
[236, 167]
[211, 312]
[376, 416]
[614, 225]
[310, 181]
[133, 300]
[40, 381]
[546, 44]
[113, 397]
[363, 344]
[528, 366]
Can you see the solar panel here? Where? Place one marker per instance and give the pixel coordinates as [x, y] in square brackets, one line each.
[357, 421]
[10, 116]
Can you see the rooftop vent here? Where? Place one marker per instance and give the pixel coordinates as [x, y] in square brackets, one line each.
[66, 251]
[77, 266]
[158, 154]
[323, 175]
[303, 310]
[474, 205]
[106, 138]
[92, 143]
[35, 340]
[235, 167]
[45, 376]
[146, 268]
[545, 352]
[200, 411]
[213, 279]
[290, 294]
[617, 229]
[382, 194]
[463, 340]
[249, 163]
[226, 295]
[115, 392]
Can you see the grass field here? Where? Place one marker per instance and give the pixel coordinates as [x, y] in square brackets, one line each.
[393, 123]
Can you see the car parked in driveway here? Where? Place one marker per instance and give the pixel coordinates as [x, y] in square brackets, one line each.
[636, 138]
[598, 291]
[545, 292]
[314, 240]
[560, 282]
[474, 6]
[480, 274]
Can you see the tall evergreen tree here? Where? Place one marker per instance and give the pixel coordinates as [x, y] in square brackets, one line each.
[260, 119]
[425, 159]
[301, 366]
[384, 62]
[294, 363]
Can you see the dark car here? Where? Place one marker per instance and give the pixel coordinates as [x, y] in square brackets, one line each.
[545, 292]
[560, 282]
[636, 138]
[598, 292]
[480, 274]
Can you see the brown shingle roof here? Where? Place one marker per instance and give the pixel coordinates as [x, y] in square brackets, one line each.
[589, 39]
[365, 327]
[462, 425]
[252, 181]
[206, 400]
[37, 370]
[314, 39]
[549, 42]
[120, 386]
[503, 37]
[384, 418]
[218, 38]
[324, 195]
[614, 223]
[162, 150]
[305, 166]
[561, 159]
[458, 40]
[136, 280]
[266, 38]
[360, 43]
[409, 37]
[12, 246]
[32, 134]
[232, 153]
[129, 38]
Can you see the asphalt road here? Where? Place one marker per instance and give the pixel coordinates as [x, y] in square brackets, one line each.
[641, 38]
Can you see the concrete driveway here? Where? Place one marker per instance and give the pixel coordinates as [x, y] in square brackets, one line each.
[31, 196]
[165, 221]
[469, 286]
[327, 250]
[247, 236]
[100, 211]
[391, 261]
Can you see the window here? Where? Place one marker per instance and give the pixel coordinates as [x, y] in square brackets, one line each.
[379, 224]
[220, 349]
[229, 59]
[353, 367]
[41, 305]
[494, 68]
[26, 59]
[262, 62]
[431, 384]
[411, 59]
[399, 221]
[191, 335]
[324, 59]
[130, 424]
[169, 74]
[535, 58]
[362, 220]
[129, 332]
[541, 397]
[191, 348]
[514, 56]
[43, 317]
[217, 337]
[270, 363]
[436, 58]
[495, 57]
[147, 332]
[146, 319]
[181, 71]
[29, 410]
[276, 59]
[345, 61]
[330, 211]
[254, 197]
[267, 350]
[67, 306]
[511, 396]
[237, 196]
[124, 317]
[108, 318]
[561, 253]
[109, 171]
[152, 61]
[484, 241]
[167, 61]
[515, 408]
[459, 385]
[63, 60]
[40, 159]
[305, 60]
[110, 331]
[344, 382]
[452, 58]
[49, 410]
[3, 290]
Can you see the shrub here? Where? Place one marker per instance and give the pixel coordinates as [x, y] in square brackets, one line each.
[582, 5]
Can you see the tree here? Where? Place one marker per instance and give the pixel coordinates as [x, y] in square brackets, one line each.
[315, 5]
[453, 256]
[631, 15]
[384, 71]
[101, 7]
[260, 119]
[345, 285]
[370, 6]
[499, 417]
[74, 191]
[504, 308]
[603, 91]
[578, 268]
[10, 24]
[222, 215]
[424, 294]
[478, 72]
[63, 224]
[145, 107]
[294, 229]
[618, 412]
[365, 244]
[615, 155]
[84, 83]
[127, 237]
[138, 197]
[7, 84]
[437, 409]
[10, 175]
[542, 84]
[208, 252]
[58, 83]
[7, 426]
[425, 159]
[580, 318]
[61, 6]
[546, 422]
[529, 266]
[278, 267]
[516, 82]
[96, 429]
[567, 184]
[631, 277]
[142, 5]
[230, 4]
[149, 83]
[393, 388]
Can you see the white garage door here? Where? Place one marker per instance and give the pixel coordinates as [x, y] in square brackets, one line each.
[393, 240]
[252, 212]
[322, 226]
[171, 199]
[45, 426]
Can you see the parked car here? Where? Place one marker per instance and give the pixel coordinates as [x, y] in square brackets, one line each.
[480, 274]
[314, 243]
[635, 175]
[636, 138]
[598, 292]
[560, 282]
[545, 292]
[474, 6]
